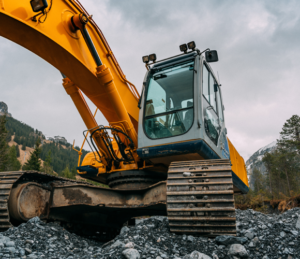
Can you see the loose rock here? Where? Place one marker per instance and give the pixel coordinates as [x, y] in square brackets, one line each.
[258, 236]
[131, 253]
[196, 255]
[239, 250]
[228, 240]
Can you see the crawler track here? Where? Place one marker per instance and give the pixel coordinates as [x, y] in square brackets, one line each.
[80, 207]
[8, 179]
[200, 198]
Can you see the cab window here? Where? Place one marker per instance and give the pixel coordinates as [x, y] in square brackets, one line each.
[169, 104]
[211, 118]
[212, 95]
[205, 83]
[220, 105]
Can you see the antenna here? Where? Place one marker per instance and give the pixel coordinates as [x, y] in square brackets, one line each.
[219, 79]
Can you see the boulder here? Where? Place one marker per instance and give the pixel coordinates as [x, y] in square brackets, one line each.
[131, 253]
[228, 240]
[238, 250]
[197, 255]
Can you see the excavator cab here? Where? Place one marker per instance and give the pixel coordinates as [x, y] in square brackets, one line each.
[182, 111]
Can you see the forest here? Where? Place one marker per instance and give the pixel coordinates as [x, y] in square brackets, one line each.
[281, 179]
[57, 157]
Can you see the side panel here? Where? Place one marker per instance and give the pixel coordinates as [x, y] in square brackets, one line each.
[238, 164]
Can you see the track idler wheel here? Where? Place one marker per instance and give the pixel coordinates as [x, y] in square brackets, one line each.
[28, 200]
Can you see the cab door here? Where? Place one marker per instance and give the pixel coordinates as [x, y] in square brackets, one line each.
[210, 107]
[222, 143]
[213, 116]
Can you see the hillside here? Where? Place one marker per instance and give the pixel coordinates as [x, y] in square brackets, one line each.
[255, 161]
[24, 154]
[24, 136]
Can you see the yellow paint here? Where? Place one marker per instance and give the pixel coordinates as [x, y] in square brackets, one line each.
[90, 159]
[86, 115]
[238, 164]
[2, 4]
[68, 52]
[54, 38]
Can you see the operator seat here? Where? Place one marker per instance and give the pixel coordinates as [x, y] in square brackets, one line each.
[149, 109]
[189, 116]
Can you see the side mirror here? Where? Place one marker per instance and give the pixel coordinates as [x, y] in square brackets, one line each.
[211, 56]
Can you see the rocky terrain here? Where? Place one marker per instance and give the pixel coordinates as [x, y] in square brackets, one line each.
[259, 236]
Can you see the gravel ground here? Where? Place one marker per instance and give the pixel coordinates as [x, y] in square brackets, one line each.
[259, 236]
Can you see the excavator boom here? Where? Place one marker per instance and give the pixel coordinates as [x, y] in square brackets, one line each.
[51, 35]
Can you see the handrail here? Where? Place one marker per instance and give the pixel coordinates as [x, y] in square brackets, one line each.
[80, 151]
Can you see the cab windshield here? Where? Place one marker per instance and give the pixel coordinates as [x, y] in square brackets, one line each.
[169, 102]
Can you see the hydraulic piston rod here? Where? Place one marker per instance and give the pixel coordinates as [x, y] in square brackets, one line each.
[106, 79]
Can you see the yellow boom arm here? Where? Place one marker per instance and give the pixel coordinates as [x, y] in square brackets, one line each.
[51, 35]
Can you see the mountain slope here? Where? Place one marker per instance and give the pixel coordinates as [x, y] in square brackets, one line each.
[255, 161]
[25, 137]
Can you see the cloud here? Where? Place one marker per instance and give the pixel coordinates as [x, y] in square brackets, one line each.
[257, 42]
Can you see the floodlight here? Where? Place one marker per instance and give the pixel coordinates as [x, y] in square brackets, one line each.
[146, 59]
[192, 45]
[183, 48]
[152, 57]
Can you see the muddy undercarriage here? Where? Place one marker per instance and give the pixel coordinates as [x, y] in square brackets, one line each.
[197, 197]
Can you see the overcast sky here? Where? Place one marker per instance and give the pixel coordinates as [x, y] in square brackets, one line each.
[258, 43]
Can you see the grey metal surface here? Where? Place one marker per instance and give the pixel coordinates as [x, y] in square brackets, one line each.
[200, 198]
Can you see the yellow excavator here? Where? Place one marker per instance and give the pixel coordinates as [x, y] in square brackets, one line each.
[164, 152]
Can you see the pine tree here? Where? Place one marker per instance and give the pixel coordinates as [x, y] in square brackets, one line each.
[17, 151]
[3, 144]
[17, 139]
[258, 180]
[13, 162]
[67, 173]
[23, 147]
[286, 164]
[47, 168]
[34, 162]
[268, 160]
[288, 154]
[290, 134]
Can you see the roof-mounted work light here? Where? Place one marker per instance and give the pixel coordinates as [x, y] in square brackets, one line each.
[183, 48]
[146, 59]
[152, 57]
[38, 5]
[191, 45]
